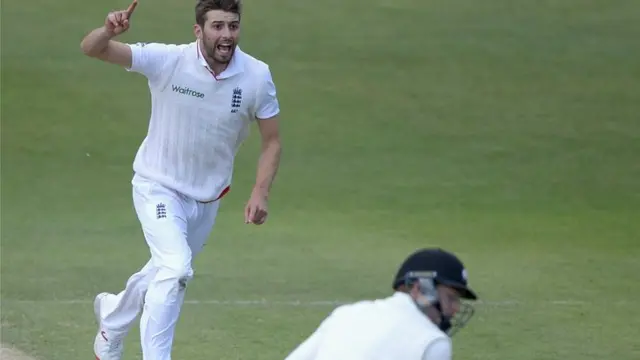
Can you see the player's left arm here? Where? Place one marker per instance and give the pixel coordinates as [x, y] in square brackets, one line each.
[269, 160]
[267, 116]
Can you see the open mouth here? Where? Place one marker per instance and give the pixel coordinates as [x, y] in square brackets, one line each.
[224, 49]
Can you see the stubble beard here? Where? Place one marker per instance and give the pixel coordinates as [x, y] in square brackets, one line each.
[216, 58]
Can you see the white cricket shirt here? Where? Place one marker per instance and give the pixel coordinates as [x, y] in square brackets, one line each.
[198, 121]
[387, 329]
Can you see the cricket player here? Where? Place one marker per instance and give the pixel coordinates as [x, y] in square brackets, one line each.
[415, 323]
[204, 97]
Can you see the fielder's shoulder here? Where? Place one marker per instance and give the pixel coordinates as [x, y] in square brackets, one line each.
[353, 307]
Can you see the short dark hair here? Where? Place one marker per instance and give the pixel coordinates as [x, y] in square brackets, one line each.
[204, 6]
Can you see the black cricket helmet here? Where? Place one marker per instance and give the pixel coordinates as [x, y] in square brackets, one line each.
[434, 266]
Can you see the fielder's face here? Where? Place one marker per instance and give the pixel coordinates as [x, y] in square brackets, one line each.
[219, 35]
[449, 300]
[448, 303]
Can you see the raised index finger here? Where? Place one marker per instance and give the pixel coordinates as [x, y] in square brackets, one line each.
[131, 8]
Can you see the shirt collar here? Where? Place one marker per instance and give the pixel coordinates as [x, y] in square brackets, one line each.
[235, 65]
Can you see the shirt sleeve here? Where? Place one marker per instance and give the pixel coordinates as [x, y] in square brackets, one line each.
[267, 104]
[438, 350]
[152, 59]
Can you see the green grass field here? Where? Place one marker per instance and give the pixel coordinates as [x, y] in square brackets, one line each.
[506, 131]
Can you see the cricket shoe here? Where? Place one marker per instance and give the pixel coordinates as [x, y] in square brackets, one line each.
[108, 344]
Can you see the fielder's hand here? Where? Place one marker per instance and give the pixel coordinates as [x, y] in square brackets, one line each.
[117, 22]
[256, 210]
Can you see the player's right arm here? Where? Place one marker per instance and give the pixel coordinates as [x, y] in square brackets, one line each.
[153, 60]
[99, 44]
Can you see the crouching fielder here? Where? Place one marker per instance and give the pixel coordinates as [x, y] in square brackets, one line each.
[415, 323]
[204, 97]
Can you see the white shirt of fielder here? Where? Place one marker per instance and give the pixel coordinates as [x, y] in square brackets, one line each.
[198, 120]
[386, 329]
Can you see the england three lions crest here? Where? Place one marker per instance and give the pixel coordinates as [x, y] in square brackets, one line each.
[236, 100]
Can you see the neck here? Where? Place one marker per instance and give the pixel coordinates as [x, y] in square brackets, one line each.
[215, 66]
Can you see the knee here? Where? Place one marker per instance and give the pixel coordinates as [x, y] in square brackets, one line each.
[178, 270]
[170, 278]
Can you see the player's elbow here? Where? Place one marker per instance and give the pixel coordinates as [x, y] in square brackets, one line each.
[274, 141]
[86, 48]
[90, 49]
[272, 144]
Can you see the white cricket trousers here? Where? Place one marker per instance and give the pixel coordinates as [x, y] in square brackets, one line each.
[175, 228]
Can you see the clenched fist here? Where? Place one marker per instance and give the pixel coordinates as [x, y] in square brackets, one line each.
[255, 212]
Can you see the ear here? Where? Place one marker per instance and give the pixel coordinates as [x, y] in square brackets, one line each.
[197, 31]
